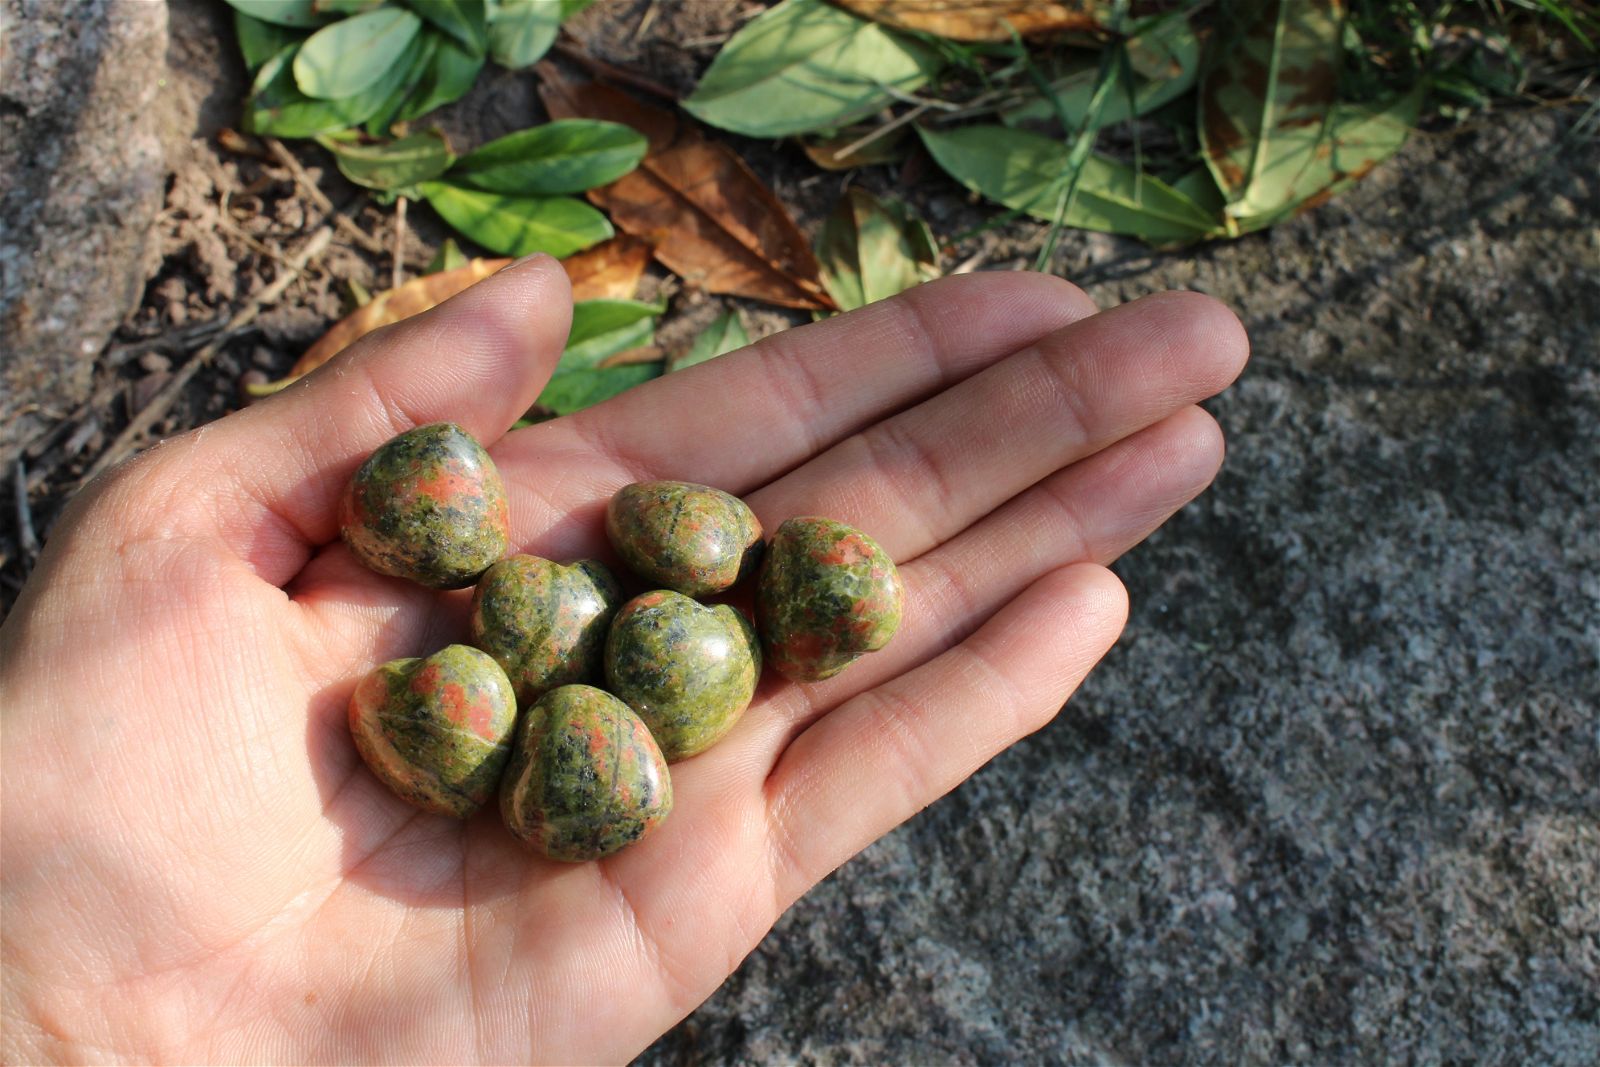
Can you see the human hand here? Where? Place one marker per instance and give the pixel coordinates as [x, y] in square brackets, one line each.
[198, 867]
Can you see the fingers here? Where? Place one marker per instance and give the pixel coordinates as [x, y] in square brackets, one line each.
[888, 753]
[746, 417]
[274, 471]
[922, 476]
[1092, 512]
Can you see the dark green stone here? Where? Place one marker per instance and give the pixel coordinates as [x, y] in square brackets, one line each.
[827, 595]
[689, 670]
[437, 731]
[586, 778]
[690, 538]
[429, 506]
[545, 622]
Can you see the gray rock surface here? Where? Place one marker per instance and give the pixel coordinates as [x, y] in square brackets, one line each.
[1336, 796]
[82, 169]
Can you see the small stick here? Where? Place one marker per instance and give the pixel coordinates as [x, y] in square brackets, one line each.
[26, 537]
[644, 23]
[888, 127]
[615, 73]
[320, 199]
[162, 402]
[397, 268]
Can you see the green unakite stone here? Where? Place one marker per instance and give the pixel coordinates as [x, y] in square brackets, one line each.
[429, 506]
[586, 778]
[689, 670]
[827, 595]
[689, 538]
[545, 622]
[437, 731]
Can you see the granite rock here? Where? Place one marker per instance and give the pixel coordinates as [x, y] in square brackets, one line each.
[1335, 797]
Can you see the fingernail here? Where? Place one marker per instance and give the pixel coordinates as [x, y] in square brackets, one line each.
[529, 258]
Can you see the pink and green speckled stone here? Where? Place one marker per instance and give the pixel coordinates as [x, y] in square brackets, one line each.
[586, 778]
[689, 670]
[428, 505]
[545, 622]
[436, 731]
[826, 596]
[689, 538]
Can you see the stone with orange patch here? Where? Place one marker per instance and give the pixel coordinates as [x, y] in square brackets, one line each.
[827, 595]
[586, 778]
[428, 505]
[689, 538]
[436, 731]
[545, 622]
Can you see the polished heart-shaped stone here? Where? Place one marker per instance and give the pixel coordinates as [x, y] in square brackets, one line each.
[545, 622]
[436, 730]
[586, 778]
[688, 669]
[690, 538]
[429, 506]
[827, 595]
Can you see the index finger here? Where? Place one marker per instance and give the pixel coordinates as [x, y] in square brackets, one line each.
[740, 420]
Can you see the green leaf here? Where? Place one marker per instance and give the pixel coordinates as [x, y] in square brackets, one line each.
[522, 31]
[602, 328]
[298, 14]
[1266, 101]
[1354, 140]
[518, 225]
[450, 72]
[448, 257]
[259, 41]
[422, 56]
[807, 65]
[345, 7]
[725, 334]
[566, 156]
[354, 54]
[394, 164]
[1030, 173]
[872, 249]
[1165, 61]
[464, 21]
[277, 108]
[574, 390]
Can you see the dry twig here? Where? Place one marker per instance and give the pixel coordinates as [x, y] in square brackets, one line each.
[397, 267]
[320, 199]
[27, 539]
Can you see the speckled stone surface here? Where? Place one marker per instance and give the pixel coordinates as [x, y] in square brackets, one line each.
[545, 622]
[429, 506]
[828, 594]
[437, 730]
[688, 669]
[586, 778]
[1335, 797]
[690, 538]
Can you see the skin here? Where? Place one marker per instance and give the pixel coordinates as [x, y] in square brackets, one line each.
[199, 869]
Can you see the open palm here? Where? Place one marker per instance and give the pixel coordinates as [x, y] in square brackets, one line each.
[198, 868]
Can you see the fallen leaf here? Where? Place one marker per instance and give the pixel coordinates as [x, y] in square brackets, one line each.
[805, 65]
[608, 271]
[1265, 104]
[828, 151]
[725, 334]
[1030, 173]
[518, 225]
[709, 218]
[389, 306]
[984, 20]
[872, 249]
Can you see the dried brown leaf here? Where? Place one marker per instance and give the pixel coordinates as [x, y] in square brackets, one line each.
[608, 271]
[710, 219]
[828, 152]
[984, 20]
